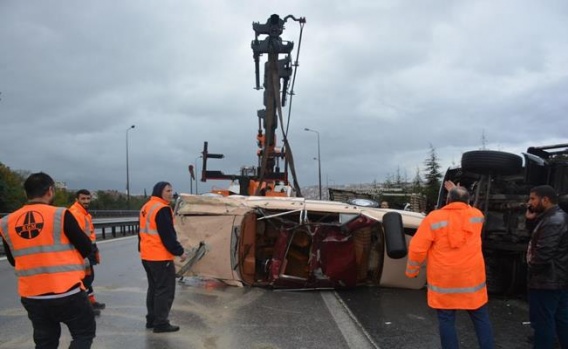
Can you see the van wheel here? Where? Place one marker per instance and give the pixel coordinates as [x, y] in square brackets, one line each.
[394, 235]
[491, 162]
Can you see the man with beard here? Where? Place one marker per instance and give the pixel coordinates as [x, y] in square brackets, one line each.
[547, 259]
[80, 209]
[46, 246]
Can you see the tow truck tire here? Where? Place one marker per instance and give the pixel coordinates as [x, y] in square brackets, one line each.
[491, 162]
[394, 235]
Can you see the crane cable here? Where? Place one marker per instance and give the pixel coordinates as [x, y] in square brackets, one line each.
[296, 65]
[287, 148]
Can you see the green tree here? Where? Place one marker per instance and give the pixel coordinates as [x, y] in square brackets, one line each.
[12, 194]
[63, 198]
[417, 182]
[432, 178]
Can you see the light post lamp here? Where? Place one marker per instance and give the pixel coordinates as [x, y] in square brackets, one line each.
[127, 173]
[319, 158]
[193, 175]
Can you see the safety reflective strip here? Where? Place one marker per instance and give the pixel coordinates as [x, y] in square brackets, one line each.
[57, 246]
[87, 226]
[42, 249]
[414, 263]
[438, 225]
[146, 229]
[412, 271]
[4, 228]
[457, 290]
[50, 270]
[476, 220]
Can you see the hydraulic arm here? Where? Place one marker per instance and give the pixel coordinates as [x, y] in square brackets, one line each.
[270, 175]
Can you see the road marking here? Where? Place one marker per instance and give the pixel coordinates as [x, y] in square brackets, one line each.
[351, 329]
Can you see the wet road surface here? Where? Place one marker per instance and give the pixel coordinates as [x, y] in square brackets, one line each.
[396, 318]
[215, 316]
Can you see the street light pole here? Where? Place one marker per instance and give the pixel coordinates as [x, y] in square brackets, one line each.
[127, 172]
[197, 174]
[319, 158]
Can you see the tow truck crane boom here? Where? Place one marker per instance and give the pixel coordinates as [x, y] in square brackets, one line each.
[267, 178]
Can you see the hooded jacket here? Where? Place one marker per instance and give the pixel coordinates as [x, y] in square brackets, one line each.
[450, 240]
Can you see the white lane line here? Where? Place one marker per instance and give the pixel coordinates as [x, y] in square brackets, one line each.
[351, 329]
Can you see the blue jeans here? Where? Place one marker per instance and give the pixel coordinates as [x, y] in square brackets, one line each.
[548, 310]
[481, 323]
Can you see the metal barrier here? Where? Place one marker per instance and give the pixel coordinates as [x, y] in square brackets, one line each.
[122, 226]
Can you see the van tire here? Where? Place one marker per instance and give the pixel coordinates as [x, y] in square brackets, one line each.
[491, 162]
[394, 235]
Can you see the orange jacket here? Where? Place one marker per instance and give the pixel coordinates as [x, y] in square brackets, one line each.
[46, 262]
[84, 219]
[450, 239]
[151, 246]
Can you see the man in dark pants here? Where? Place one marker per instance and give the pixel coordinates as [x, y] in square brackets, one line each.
[547, 259]
[450, 240]
[80, 210]
[158, 245]
[46, 246]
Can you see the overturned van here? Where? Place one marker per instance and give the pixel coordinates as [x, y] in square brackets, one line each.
[294, 243]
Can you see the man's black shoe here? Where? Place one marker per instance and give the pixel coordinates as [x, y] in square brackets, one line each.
[149, 325]
[97, 305]
[166, 328]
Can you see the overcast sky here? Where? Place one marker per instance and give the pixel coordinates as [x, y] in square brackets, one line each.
[379, 80]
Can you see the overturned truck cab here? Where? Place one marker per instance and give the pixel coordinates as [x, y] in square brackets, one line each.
[294, 243]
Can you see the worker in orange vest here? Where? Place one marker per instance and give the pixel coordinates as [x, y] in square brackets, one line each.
[80, 210]
[47, 248]
[450, 240]
[158, 245]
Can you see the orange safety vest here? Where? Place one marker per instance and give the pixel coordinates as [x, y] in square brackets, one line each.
[46, 261]
[151, 246]
[84, 219]
[450, 239]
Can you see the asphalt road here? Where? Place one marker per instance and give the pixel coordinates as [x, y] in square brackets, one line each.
[397, 318]
[213, 315]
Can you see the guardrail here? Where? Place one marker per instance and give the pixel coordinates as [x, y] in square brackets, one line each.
[122, 226]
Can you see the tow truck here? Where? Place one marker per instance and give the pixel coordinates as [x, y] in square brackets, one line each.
[270, 177]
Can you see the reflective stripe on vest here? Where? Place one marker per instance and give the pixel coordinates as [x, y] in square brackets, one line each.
[443, 224]
[87, 229]
[146, 229]
[447, 290]
[438, 225]
[57, 245]
[80, 213]
[50, 270]
[476, 220]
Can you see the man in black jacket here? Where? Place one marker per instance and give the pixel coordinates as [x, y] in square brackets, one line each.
[547, 259]
[46, 246]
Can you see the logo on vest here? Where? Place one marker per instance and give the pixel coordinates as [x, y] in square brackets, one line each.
[29, 226]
